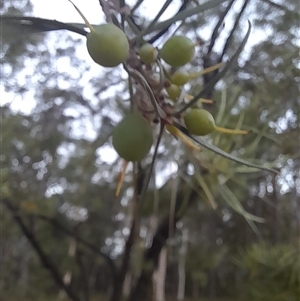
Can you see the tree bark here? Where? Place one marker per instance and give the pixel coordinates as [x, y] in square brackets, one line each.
[68, 275]
[275, 214]
[119, 279]
[127, 284]
[181, 266]
[143, 288]
[159, 277]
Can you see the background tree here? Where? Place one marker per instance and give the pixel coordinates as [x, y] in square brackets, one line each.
[59, 189]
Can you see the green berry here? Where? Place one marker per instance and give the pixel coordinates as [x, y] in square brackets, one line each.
[177, 51]
[107, 45]
[148, 53]
[180, 78]
[173, 92]
[132, 138]
[199, 122]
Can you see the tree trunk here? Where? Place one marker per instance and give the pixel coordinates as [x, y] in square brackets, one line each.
[181, 266]
[159, 277]
[68, 275]
[121, 275]
[141, 290]
[275, 214]
[195, 289]
[127, 284]
[212, 283]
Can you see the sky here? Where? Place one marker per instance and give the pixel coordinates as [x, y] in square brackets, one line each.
[66, 13]
[63, 10]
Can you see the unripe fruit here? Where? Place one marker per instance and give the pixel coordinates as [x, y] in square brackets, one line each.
[107, 45]
[148, 53]
[199, 122]
[177, 51]
[173, 92]
[132, 137]
[180, 78]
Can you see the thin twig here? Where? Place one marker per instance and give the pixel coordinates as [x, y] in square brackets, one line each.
[186, 13]
[154, 21]
[163, 31]
[148, 178]
[134, 27]
[236, 23]
[214, 35]
[160, 112]
[136, 6]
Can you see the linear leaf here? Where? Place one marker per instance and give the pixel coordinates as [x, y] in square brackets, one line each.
[187, 13]
[222, 153]
[206, 190]
[236, 205]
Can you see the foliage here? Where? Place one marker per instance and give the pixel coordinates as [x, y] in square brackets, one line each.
[59, 184]
[273, 272]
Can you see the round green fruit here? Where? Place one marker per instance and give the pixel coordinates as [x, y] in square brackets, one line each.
[107, 45]
[173, 92]
[180, 78]
[199, 122]
[132, 138]
[148, 53]
[178, 51]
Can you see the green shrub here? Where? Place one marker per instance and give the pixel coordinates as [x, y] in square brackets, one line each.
[273, 273]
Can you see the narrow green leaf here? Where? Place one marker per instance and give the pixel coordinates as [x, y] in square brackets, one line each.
[218, 151]
[245, 169]
[222, 107]
[263, 132]
[255, 229]
[206, 190]
[236, 205]
[186, 14]
[241, 120]
[229, 156]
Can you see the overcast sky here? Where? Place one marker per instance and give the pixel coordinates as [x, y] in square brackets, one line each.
[63, 10]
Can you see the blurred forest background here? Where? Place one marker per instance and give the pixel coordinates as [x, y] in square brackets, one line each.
[63, 231]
